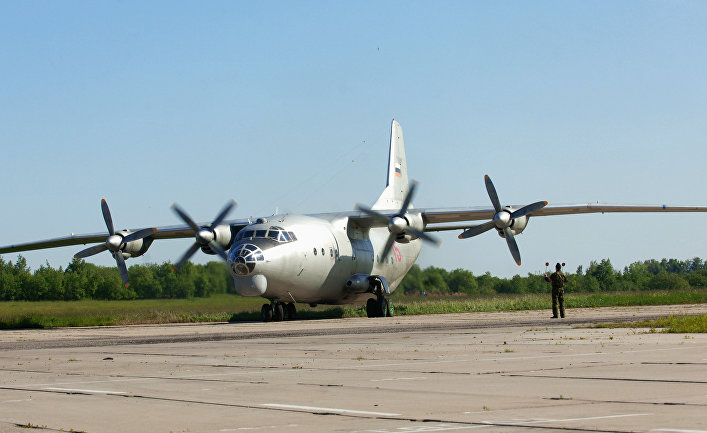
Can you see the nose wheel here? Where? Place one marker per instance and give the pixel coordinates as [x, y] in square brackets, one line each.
[278, 311]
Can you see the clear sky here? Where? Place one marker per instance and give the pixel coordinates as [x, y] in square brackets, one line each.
[287, 105]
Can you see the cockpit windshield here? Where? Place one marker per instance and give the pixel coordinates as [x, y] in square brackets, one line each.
[275, 233]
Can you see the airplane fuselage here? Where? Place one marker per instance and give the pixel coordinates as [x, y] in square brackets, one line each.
[308, 259]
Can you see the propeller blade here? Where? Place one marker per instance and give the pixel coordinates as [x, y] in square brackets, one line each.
[408, 197]
[106, 217]
[91, 251]
[388, 246]
[123, 269]
[477, 230]
[215, 247]
[185, 217]
[422, 235]
[491, 190]
[190, 252]
[373, 214]
[226, 209]
[525, 210]
[140, 234]
[512, 245]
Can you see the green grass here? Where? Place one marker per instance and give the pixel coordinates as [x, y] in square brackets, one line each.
[670, 324]
[222, 308]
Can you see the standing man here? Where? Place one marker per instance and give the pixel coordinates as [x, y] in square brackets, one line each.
[558, 280]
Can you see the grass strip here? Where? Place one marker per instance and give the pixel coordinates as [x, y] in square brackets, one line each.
[671, 324]
[226, 307]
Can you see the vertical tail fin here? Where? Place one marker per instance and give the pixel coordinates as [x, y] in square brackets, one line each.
[397, 185]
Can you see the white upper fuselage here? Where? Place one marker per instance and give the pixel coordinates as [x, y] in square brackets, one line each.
[314, 267]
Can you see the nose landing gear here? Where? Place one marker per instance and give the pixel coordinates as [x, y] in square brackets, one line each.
[278, 311]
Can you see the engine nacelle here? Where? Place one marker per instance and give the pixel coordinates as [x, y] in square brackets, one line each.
[134, 248]
[413, 221]
[517, 226]
[223, 235]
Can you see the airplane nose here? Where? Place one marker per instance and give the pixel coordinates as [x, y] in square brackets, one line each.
[251, 286]
[243, 259]
[240, 267]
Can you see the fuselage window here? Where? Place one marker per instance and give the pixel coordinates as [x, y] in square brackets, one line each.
[322, 252]
[260, 233]
[331, 252]
[315, 251]
[273, 234]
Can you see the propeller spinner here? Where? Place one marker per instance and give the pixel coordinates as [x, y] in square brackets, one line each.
[397, 224]
[115, 243]
[204, 235]
[502, 219]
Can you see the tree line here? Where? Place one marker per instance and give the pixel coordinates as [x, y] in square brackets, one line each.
[82, 280]
[665, 274]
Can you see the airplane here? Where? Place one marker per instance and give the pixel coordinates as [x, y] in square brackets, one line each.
[330, 258]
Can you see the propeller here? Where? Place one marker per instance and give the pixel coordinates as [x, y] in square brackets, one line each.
[502, 219]
[114, 243]
[204, 235]
[397, 224]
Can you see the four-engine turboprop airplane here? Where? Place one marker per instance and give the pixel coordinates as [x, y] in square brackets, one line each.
[332, 258]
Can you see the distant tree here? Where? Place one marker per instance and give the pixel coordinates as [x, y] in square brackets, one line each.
[604, 274]
[462, 281]
[667, 281]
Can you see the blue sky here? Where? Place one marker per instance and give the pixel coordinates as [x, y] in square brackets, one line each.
[287, 105]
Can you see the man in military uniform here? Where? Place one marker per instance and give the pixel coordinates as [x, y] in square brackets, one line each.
[558, 280]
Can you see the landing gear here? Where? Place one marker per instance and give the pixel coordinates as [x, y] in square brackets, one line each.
[278, 311]
[290, 311]
[266, 313]
[379, 306]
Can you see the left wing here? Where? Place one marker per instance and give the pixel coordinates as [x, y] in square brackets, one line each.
[435, 219]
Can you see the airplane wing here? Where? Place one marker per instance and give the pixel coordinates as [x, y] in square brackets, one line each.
[436, 218]
[165, 232]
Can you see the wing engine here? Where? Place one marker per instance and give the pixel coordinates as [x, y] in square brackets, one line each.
[121, 245]
[212, 238]
[403, 226]
[507, 221]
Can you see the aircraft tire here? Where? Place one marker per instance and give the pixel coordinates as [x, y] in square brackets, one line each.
[266, 313]
[381, 307]
[278, 313]
[371, 307]
[291, 311]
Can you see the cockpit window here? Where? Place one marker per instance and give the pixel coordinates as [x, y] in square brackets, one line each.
[275, 233]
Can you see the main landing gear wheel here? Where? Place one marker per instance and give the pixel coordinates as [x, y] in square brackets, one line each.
[379, 307]
[371, 307]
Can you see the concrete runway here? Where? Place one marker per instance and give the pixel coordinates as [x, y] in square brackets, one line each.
[494, 372]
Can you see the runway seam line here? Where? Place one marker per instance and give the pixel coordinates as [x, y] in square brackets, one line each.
[348, 415]
[614, 379]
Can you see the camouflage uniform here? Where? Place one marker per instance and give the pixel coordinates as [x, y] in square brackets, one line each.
[558, 280]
